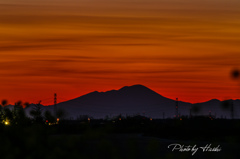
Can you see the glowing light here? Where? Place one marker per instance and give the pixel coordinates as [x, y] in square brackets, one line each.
[57, 119]
[120, 119]
[180, 118]
[150, 119]
[89, 119]
[6, 123]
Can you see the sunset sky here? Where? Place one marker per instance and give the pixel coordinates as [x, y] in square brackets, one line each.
[178, 48]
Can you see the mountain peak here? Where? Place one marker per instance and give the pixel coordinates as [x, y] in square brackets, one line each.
[139, 91]
[135, 87]
[212, 100]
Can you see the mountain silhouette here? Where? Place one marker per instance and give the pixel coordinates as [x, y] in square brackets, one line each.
[139, 100]
[129, 100]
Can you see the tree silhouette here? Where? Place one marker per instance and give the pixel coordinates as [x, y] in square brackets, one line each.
[37, 113]
[4, 102]
[2, 112]
[19, 114]
[7, 114]
[14, 116]
[26, 105]
[17, 109]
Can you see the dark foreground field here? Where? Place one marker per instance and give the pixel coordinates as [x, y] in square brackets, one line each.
[120, 139]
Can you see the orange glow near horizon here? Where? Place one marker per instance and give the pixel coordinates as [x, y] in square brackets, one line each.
[178, 49]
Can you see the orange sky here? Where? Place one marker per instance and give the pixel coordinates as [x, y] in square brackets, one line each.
[183, 49]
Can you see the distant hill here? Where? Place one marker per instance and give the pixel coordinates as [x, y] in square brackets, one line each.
[138, 99]
[132, 100]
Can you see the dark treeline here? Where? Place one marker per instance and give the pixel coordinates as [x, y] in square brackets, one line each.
[49, 135]
[196, 128]
[183, 127]
[16, 116]
[112, 138]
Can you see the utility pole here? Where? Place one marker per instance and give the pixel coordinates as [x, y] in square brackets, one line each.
[210, 114]
[232, 111]
[177, 108]
[190, 112]
[55, 103]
